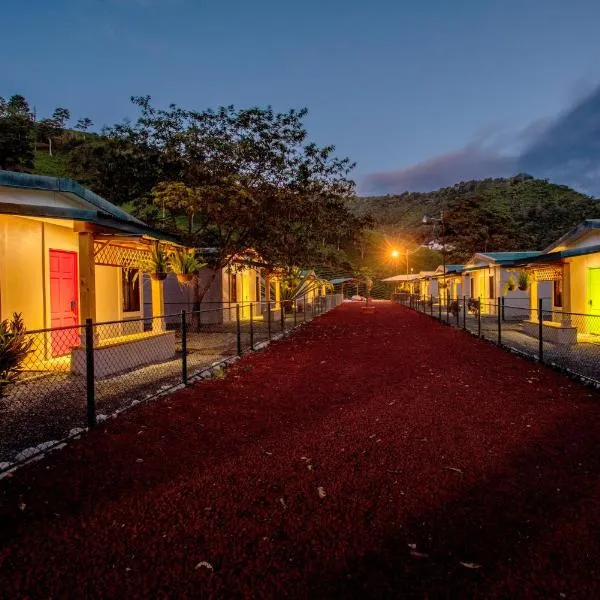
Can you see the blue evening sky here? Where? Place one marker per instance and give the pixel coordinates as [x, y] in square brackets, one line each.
[391, 83]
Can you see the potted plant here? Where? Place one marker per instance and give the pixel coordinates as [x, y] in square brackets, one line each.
[159, 263]
[524, 281]
[185, 265]
[509, 285]
[473, 306]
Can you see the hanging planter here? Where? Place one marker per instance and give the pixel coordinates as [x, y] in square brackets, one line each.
[510, 285]
[184, 278]
[524, 281]
[158, 267]
[185, 265]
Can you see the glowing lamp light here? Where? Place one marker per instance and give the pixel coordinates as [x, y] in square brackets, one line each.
[395, 253]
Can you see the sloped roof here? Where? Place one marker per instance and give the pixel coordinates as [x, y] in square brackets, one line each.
[106, 214]
[574, 234]
[501, 257]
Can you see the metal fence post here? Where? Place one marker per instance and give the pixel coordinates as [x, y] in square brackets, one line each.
[479, 316]
[184, 370]
[295, 313]
[269, 318]
[440, 307]
[282, 316]
[431, 304]
[199, 317]
[464, 312]
[540, 332]
[238, 330]
[89, 373]
[499, 311]
[304, 309]
[251, 326]
[503, 299]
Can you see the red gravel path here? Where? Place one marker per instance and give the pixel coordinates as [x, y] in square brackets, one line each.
[433, 449]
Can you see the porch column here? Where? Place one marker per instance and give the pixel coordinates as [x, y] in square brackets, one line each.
[533, 300]
[158, 305]
[87, 277]
[267, 292]
[566, 294]
[277, 293]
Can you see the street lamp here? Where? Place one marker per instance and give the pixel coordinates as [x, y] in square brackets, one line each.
[396, 255]
[440, 220]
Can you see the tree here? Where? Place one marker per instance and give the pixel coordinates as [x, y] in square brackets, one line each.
[47, 131]
[83, 124]
[16, 134]
[61, 116]
[234, 179]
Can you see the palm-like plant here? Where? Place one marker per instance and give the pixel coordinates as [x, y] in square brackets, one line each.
[185, 265]
[296, 285]
[159, 262]
[524, 280]
[14, 346]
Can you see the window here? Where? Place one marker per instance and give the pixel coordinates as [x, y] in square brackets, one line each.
[558, 292]
[232, 287]
[492, 290]
[130, 279]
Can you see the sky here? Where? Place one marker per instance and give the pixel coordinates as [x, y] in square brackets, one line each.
[420, 93]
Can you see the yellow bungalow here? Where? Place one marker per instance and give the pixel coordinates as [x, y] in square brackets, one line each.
[239, 283]
[67, 255]
[486, 275]
[571, 266]
[449, 278]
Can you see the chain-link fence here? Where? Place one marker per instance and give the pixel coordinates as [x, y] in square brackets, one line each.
[567, 341]
[75, 377]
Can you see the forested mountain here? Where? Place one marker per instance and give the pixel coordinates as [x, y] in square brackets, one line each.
[518, 213]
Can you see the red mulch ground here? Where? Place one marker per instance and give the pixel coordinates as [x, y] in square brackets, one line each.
[433, 449]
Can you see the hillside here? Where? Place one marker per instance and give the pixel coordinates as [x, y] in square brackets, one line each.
[518, 213]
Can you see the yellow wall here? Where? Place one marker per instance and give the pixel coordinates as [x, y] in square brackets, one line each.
[579, 266]
[25, 245]
[108, 293]
[21, 279]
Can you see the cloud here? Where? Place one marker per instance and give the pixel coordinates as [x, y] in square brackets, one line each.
[564, 149]
[471, 162]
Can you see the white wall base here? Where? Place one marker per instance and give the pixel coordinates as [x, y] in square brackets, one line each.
[121, 356]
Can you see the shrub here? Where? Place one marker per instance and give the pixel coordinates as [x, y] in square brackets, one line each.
[14, 346]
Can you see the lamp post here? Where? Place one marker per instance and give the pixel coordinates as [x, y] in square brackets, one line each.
[440, 220]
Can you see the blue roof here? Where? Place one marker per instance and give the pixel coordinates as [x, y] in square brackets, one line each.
[67, 186]
[108, 215]
[509, 256]
[574, 233]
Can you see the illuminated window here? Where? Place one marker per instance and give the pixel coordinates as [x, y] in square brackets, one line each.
[130, 279]
[492, 290]
[472, 281]
[557, 292]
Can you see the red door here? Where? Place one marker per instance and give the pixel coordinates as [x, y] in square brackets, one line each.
[63, 301]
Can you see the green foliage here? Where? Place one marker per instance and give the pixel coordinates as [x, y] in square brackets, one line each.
[524, 280]
[159, 260]
[55, 165]
[184, 262]
[16, 134]
[14, 346]
[517, 213]
[509, 285]
[296, 284]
